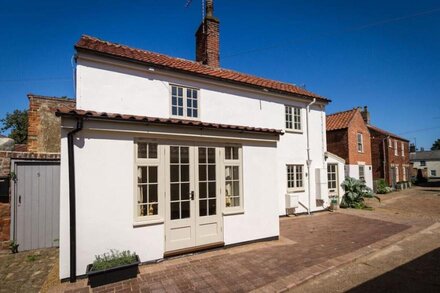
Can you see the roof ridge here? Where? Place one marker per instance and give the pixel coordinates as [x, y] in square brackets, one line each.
[341, 112]
[186, 60]
[193, 67]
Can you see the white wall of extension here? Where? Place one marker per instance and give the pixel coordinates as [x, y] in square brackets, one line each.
[104, 160]
[353, 171]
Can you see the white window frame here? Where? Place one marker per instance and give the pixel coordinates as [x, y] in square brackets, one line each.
[403, 148]
[390, 143]
[293, 118]
[396, 151]
[148, 162]
[360, 143]
[363, 171]
[423, 163]
[404, 173]
[232, 163]
[434, 173]
[185, 99]
[294, 173]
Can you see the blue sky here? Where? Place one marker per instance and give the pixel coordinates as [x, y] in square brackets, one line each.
[384, 54]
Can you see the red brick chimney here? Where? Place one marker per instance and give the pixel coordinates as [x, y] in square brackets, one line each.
[207, 38]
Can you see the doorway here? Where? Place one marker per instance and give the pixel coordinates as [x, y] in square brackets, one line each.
[192, 205]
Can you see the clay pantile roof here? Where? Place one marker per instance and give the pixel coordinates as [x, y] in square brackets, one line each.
[69, 112]
[384, 132]
[92, 44]
[64, 99]
[340, 120]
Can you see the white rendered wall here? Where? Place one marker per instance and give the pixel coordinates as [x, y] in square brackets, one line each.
[260, 219]
[110, 88]
[353, 171]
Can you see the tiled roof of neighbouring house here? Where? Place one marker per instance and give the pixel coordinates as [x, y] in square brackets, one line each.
[387, 133]
[425, 156]
[340, 120]
[92, 44]
[66, 112]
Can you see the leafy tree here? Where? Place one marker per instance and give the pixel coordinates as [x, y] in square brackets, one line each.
[17, 123]
[436, 145]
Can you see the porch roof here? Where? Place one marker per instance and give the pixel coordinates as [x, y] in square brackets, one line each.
[69, 112]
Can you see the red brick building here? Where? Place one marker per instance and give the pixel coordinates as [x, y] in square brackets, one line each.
[390, 154]
[349, 138]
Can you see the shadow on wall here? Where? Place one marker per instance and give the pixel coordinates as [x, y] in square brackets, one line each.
[419, 275]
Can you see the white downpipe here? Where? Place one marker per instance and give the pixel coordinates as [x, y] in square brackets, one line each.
[309, 161]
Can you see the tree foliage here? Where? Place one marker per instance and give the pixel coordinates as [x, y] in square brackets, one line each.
[17, 123]
[355, 193]
[436, 145]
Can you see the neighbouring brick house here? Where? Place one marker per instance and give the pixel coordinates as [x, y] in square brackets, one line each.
[43, 144]
[349, 138]
[389, 153]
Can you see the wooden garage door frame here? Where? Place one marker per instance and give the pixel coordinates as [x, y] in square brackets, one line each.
[13, 188]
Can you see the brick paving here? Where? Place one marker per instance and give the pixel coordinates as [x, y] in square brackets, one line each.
[26, 271]
[308, 245]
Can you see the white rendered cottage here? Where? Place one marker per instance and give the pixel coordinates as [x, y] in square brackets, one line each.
[166, 155]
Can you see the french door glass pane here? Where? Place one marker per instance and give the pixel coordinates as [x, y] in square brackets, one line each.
[179, 182]
[207, 182]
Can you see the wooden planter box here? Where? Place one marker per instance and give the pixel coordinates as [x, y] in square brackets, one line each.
[116, 274]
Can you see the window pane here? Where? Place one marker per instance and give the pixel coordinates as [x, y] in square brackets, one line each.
[211, 172]
[175, 210]
[228, 172]
[228, 153]
[152, 150]
[142, 150]
[202, 189]
[142, 174]
[235, 173]
[185, 210]
[175, 191]
[202, 172]
[211, 155]
[174, 173]
[184, 173]
[174, 157]
[143, 196]
[174, 110]
[236, 188]
[235, 153]
[184, 153]
[152, 174]
[152, 193]
[203, 208]
[212, 189]
[202, 155]
[236, 201]
[184, 195]
[195, 113]
[212, 207]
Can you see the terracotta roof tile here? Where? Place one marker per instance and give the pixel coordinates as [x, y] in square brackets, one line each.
[69, 112]
[340, 120]
[377, 129]
[163, 61]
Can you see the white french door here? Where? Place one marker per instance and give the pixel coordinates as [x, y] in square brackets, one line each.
[332, 179]
[192, 203]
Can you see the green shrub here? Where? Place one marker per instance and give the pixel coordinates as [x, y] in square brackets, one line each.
[382, 187]
[112, 259]
[355, 193]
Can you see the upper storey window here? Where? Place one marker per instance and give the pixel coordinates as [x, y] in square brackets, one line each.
[184, 102]
[293, 118]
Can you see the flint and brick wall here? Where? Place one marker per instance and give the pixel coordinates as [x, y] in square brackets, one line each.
[44, 127]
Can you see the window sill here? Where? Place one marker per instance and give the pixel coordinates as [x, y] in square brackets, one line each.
[233, 212]
[296, 190]
[148, 222]
[294, 131]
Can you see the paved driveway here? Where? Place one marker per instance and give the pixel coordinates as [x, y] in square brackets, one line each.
[307, 246]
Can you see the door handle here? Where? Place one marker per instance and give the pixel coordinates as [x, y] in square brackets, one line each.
[192, 195]
[19, 199]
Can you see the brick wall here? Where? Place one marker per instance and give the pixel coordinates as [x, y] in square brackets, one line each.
[343, 142]
[5, 170]
[208, 42]
[380, 148]
[337, 143]
[357, 125]
[44, 127]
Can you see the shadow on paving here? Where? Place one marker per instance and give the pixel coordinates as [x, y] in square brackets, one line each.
[419, 275]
